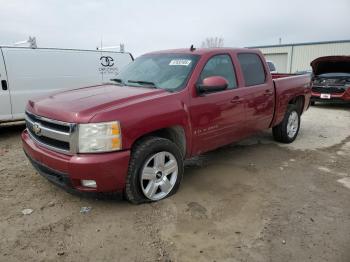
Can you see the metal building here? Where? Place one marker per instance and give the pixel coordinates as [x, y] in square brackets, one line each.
[290, 58]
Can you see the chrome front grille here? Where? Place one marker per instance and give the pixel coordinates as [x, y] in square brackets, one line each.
[328, 90]
[55, 135]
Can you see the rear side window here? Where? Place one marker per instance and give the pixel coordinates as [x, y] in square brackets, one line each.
[220, 65]
[253, 69]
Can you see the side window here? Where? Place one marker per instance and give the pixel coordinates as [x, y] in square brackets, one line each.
[253, 69]
[220, 65]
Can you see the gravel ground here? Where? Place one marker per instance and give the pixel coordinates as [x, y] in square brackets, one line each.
[253, 201]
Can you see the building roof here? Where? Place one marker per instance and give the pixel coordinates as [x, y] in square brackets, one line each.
[298, 44]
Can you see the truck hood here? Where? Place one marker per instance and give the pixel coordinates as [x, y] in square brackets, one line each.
[331, 64]
[80, 105]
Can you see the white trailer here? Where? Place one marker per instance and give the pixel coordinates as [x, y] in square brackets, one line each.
[27, 72]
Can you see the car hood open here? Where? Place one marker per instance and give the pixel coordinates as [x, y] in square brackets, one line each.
[331, 64]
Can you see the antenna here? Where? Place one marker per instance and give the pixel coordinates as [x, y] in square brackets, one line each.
[192, 48]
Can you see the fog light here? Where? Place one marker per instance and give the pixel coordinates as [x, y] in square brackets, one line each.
[89, 183]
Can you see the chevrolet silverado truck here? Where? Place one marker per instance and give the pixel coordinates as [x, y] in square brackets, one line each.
[331, 79]
[133, 136]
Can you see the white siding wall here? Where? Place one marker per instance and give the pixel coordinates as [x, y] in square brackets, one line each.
[303, 55]
[278, 50]
[300, 56]
[280, 60]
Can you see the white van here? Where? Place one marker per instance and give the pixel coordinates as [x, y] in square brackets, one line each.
[27, 72]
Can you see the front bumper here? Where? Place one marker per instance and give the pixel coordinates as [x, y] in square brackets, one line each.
[109, 170]
[334, 97]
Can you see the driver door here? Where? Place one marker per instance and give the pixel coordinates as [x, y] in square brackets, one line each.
[217, 118]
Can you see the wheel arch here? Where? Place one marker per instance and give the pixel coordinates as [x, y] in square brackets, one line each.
[175, 134]
[299, 102]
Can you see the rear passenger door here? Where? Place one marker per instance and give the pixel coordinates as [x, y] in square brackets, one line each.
[5, 100]
[259, 92]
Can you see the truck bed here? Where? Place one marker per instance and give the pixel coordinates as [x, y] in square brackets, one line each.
[281, 75]
[288, 86]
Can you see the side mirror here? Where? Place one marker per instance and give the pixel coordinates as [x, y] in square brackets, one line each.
[212, 84]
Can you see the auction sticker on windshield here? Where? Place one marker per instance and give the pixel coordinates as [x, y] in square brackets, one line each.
[181, 62]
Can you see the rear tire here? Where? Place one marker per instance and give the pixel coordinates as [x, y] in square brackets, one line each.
[155, 170]
[287, 131]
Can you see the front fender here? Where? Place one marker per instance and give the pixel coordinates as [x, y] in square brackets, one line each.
[146, 117]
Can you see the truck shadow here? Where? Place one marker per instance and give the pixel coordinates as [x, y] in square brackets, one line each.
[193, 166]
[192, 172]
[11, 129]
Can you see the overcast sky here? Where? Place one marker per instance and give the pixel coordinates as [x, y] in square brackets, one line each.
[162, 24]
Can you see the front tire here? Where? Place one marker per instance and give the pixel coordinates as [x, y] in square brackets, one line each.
[155, 170]
[287, 131]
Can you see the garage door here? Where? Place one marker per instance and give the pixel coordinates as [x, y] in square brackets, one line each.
[280, 61]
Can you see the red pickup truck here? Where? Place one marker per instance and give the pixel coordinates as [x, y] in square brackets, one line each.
[133, 136]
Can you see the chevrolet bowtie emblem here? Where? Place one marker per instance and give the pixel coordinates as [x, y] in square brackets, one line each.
[36, 129]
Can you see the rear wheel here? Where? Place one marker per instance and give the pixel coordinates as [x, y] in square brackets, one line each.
[288, 129]
[155, 170]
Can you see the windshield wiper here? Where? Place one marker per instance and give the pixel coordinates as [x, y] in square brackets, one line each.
[148, 83]
[118, 80]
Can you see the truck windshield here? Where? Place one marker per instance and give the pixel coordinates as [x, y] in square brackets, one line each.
[165, 71]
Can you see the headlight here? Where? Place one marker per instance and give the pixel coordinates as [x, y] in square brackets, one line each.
[99, 137]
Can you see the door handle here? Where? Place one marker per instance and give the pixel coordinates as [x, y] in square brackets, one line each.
[236, 100]
[268, 93]
[4, 84]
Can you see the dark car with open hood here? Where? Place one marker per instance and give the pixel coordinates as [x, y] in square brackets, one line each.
[331, 79]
